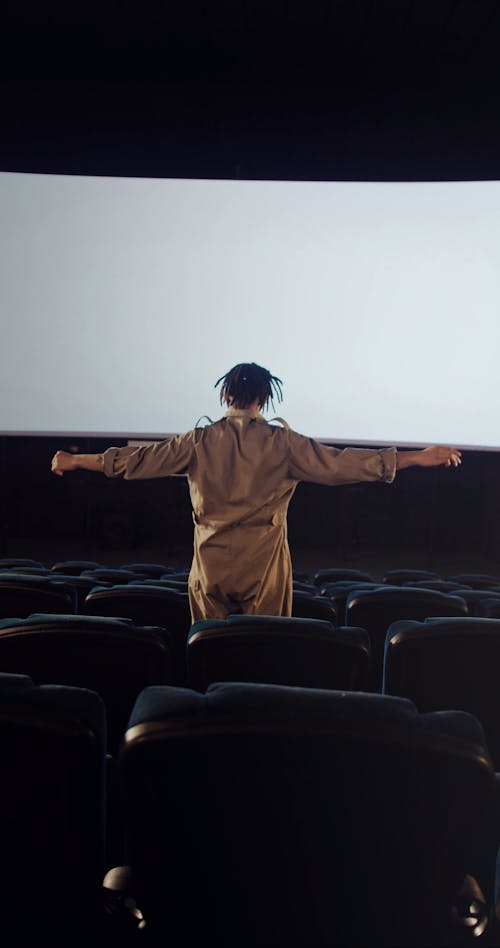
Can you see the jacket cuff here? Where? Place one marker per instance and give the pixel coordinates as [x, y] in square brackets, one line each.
[389, 462]
[108, 462]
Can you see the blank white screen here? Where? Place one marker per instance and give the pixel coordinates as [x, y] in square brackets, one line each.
[378, 304]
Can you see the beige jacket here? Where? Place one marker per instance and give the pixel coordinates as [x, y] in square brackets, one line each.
[242, 472]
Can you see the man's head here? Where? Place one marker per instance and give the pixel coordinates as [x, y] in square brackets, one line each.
[248, 383]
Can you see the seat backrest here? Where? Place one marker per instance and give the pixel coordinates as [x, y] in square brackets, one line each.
[298, 817]
[109, 656]
[81, 586]
[147, 604]
[375, 610]
[10, 562]
[172, 582]
[303, 586]
[52, 819]
[488, 607]
[152, 570]
[448, 663]
[289, 651]
[307, 606]
[396, 577]
[20, 595]
[74, 567]
[108, 574]
[180, 585]
[339, 574]
[476, 580]
[472, 597]
[440, 585]
[338, 593]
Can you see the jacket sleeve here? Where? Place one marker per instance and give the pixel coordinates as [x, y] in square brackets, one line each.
[158, 459]
[309, 460]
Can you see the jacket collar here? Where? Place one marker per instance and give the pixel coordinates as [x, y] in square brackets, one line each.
[243, 413]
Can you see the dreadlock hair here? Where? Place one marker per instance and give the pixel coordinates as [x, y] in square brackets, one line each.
[246, 382]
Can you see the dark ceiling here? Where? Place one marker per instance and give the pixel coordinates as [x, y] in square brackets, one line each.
[342, 89]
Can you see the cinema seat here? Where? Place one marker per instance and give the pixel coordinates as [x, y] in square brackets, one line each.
[262, 815]
[12, 562]
[81, 586]
[309, 606]
[396, 577]
[108, 574]
[52, 813]
[338, 593]
[305, 587]
[151, 570]
[148, 604]
[171, 582]
[291, 651]
[74, 567]
[448, 663]
[473, 597]
[440, 585]
[109, 656]
[340, 574]
[31, 571]
[476, 580]
[20, 595]
[375, 610]
[488, 606]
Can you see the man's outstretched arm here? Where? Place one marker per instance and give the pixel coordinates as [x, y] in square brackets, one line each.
[429, 457]
[154, 459]
[64, 461]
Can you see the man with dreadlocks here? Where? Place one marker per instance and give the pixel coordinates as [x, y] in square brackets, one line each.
[242, 472]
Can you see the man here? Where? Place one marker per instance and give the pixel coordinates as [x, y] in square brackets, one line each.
[242, 472]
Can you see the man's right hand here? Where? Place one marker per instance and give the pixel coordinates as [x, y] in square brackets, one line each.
[429, 457]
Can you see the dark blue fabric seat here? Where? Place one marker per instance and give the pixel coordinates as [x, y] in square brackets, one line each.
[151, 570]
[11, 562]
[108, 574]
[74, 567]
[109, 656]
[476, 580]
[305, 587]
[52, 811]
[288, 651]
[300, 817]
[448, 663]
[309, 606]
[339, 574]
[81, 586]
[488, 606]
[22, 594]
[440, 585]
[148, 604]
[337, 594]
[376, 609]
[396, 577]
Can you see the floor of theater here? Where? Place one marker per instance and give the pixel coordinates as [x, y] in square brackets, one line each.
[308, 559]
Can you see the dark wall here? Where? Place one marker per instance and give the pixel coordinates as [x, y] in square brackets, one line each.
[427, 511]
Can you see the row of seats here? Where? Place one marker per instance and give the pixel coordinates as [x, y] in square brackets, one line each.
[253, 815]
[439, 663]
[164, 602]
[373, 608]
[318, 578]
[221, 750]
